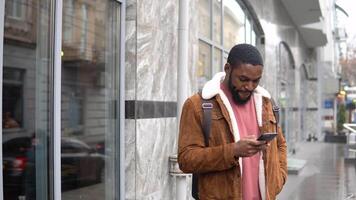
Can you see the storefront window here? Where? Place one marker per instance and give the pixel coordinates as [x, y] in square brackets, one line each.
[287, 94]
[27, 89]
[217, 21]
[253, 38]
[248, 32]
[231, 25]
[204, 64]
[89, 100]
[217, 64]
[204, 18]
[234, 21]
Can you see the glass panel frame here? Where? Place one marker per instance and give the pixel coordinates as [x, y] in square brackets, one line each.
[2, 16]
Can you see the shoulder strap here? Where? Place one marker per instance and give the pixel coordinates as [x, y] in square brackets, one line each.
[275, 109]
[207, 107]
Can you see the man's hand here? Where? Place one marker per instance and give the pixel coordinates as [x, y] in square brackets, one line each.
[249, 146]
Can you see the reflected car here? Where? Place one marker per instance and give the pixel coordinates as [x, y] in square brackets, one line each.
[15, 163]
[80, 165]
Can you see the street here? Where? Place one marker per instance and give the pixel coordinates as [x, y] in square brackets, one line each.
[325, 176]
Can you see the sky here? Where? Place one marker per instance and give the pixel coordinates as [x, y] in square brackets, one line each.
[349, 6]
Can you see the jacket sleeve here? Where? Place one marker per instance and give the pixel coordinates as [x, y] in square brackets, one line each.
[282, 154]
[193, 156]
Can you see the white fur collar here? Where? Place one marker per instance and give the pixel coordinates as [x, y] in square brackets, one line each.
[212, 87]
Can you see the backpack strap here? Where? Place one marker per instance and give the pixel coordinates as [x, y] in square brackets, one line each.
[276, 110]
[207, 107]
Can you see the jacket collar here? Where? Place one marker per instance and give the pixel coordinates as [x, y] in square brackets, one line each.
[212, 87]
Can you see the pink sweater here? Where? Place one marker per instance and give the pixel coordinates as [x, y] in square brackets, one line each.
[247, 123]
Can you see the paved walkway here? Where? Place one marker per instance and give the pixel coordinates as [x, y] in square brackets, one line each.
[326, 176]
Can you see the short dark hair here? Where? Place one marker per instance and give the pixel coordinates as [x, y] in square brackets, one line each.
[244, 54]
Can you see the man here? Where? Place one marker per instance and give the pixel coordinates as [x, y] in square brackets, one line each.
[235, 165]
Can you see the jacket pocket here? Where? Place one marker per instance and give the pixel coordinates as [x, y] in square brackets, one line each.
[219, 130]
[269, 124]
[220, 185]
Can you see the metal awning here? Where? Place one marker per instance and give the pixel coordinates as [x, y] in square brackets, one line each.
[307, 15]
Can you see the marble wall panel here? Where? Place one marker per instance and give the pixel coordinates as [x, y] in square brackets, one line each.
[130, 159]
[131, 10]
[130, 62]
[156, 140]
[157, 50]
[312, 100]
[130, 50]
[130, 94]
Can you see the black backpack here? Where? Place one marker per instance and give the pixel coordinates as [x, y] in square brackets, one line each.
[207, 107]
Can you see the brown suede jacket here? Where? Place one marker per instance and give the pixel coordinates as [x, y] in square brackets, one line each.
[218, 168]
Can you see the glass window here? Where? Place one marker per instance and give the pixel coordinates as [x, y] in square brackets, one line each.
[217, 67]
[217, 21]
[16, 8]
[27, 89]
[12, 98]
[90, 66]
[234, 18]
[248, 32]
[253, 38]
[68, 20]
[204, 18]
[204, 64]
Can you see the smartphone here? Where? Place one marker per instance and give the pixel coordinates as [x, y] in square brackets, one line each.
[267, 137]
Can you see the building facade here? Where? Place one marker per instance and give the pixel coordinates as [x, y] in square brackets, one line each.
[91, 88]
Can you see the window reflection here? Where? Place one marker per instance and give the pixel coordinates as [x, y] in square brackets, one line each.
[89, 92]
[16, 8]
[26, 97]
[12, 98]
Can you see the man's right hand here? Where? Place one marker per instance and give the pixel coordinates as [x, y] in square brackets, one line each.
[249, 146]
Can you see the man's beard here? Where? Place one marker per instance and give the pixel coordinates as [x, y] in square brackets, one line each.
[235, 95]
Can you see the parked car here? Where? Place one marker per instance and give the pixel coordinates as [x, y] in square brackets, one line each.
[80, 165]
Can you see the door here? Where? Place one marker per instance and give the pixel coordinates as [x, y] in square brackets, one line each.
[90, 89]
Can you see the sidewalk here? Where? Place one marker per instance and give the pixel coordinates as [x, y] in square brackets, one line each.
[325, 176]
